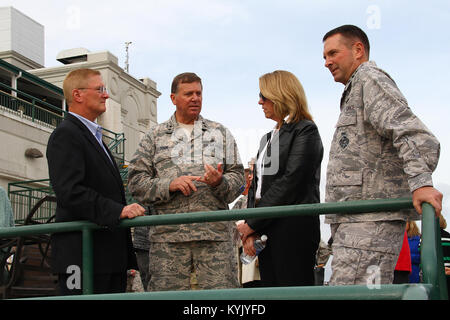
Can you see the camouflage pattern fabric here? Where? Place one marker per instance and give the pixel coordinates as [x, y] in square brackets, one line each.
[365, 253]
[166, 153]
[323, 253]
[142, 257]
[241, 203]
[212, 262]
[380, 149]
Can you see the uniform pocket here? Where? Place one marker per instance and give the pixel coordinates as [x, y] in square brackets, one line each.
[163, 155]
[347, 118]
[346, 133]
[344, 186]
[344, 175]
[346, 178]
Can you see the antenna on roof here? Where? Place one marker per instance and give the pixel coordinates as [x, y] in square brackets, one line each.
[127, 65]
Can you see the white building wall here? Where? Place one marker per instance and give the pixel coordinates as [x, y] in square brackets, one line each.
[5, 29]
[17, 135]
[21, 34]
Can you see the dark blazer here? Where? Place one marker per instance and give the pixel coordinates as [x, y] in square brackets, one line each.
[299, 153]
[291, 176]
[88, 186]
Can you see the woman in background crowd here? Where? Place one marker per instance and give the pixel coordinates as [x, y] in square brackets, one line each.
[414, 243]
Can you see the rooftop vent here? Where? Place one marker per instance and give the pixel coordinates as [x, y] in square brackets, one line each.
[72, 55]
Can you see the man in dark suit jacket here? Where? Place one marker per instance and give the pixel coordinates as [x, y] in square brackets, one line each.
[88, 186]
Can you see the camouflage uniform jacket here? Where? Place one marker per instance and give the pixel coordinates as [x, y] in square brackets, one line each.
[380, 149]
[166, 153]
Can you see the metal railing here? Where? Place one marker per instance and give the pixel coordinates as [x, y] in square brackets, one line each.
[116, 144]
[24, 195]
[434, 286]
[124, 175]
[28, 107]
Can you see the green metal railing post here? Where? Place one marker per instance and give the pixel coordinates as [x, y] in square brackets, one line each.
[431, 253]
[30, 204]
[88, 260]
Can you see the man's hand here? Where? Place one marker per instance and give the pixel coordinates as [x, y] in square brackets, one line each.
[430, 195]
[212, 177]
[132, 210]
[184, 184]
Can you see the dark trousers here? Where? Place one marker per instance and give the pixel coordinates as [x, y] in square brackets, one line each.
[103, 283]
[289, 257]
[142, 257]
[401, 277]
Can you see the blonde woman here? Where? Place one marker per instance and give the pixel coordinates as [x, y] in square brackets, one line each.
[413, 233]
[287, 172]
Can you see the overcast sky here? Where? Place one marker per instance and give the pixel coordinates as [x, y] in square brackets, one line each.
[231, 43]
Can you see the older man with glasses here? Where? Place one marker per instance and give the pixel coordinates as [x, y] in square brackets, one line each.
[88, 186]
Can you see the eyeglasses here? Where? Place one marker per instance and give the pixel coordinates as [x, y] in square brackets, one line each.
[100, 90]
[262, 97]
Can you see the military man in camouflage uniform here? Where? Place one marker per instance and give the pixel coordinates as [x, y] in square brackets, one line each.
[380, 149]
[188, 164]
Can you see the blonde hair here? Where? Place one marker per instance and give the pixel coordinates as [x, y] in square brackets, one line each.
[442, 222]
[413, 229]
[287, 94]
[77, 79]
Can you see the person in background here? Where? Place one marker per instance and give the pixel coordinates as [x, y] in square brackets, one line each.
[6, 212]
[323, 254]
[188, 164]
[287, 172]
[414, 243]
[6, 221]
[380, 150]
[403, 267]
[445, 241]
[248, 273]
[141, 245]
[242, 200]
